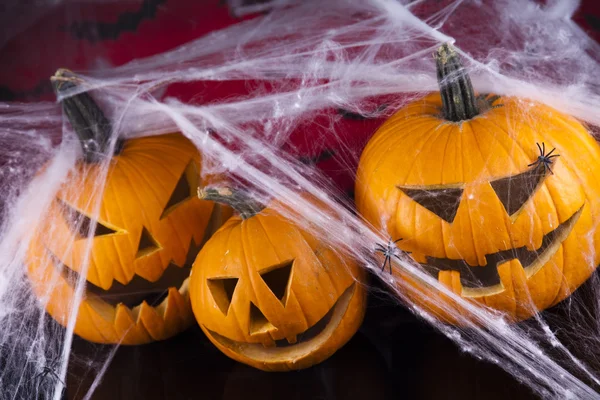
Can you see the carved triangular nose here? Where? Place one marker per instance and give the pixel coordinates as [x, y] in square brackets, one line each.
[147, 244]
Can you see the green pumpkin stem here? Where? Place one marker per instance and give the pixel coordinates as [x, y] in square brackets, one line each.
[87, 119]
[458, 98]
[236, 199]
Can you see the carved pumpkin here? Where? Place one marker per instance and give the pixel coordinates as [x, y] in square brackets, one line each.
[149, 229]
[270, 294]
[496, 197]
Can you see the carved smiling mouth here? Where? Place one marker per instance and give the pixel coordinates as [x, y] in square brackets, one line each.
[312, 338]
[485, 280]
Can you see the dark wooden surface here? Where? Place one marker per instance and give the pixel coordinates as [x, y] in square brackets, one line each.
[393, 356]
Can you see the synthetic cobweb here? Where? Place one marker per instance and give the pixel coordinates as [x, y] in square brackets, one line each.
[299, 62]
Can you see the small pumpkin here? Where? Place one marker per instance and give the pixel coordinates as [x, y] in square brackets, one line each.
[149, 229]
[496, 197]
[270, 294]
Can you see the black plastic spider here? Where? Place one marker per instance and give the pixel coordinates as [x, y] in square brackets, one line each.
[544, 159]
[49, 370]
[389, 251]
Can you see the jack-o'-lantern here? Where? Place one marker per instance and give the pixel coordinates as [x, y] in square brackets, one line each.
[270, 294]
[149, 225]
[496, 197]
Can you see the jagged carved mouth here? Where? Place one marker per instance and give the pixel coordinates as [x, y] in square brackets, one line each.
[138, 289]
[307, 341]
[133, 293]
[485, 280]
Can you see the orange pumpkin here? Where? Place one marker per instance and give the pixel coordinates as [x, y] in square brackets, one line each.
[270, 294]
[149, 228]
[496, 197]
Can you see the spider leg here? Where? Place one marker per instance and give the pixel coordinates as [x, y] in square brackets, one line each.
[549, 169]
[385, 262]
[555, 155]
[543, 148]
[55, 375]
[396, 241]
[551, 151]
[539, 148]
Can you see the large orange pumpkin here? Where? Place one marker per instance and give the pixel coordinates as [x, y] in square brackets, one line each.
[497, 197]
[272, 295]
[150, 225]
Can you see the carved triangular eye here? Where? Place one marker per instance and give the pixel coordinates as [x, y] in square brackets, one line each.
[147, 244]
[278, 279]
[222, 290]
[186, 188]
[514, 191]
[443, 202]
[80, 223]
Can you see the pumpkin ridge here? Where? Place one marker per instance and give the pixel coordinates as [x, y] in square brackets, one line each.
[232, 310]
[506, 221]
[517, 143]
[275, 248]
[468, 210]
[443, 160]
[588, 149]
[128, 275]
[433, 135]
[368, 155]
[382, 153]
[401, 123]
[559, 266]
[145, 222]
[248, 273]
[303, 313]
[472, 235]
[182, 241]
[476, 139]
[151, 183]
[549, 200]
[302, 242]
[561, 284]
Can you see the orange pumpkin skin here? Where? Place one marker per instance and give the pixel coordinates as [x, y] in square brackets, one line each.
[260, 283]
[417, 152]
[149, 218]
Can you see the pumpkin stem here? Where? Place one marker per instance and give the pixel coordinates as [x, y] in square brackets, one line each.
[86, 118]
[458, 98]
[236, 199]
